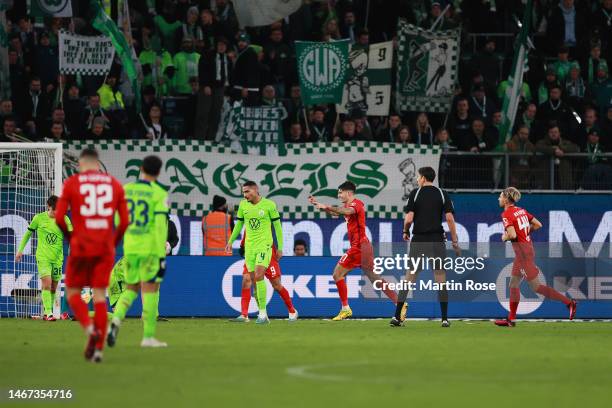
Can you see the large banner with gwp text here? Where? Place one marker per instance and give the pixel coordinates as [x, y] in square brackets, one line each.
[195, 171]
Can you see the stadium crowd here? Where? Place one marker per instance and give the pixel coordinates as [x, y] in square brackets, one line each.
[193, 56]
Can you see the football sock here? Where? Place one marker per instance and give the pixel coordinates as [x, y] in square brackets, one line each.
[552, 294]
[287, 299]
[443, 299]
[123, 304]
[100, 321]
[515, 298]
[401, 299]
[260, 289]
[79, 308]
[245, 299]
[342, 292]
[47, 302]
[150, 302]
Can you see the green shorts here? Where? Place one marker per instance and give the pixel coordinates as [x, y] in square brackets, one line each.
[142, 268]
[258, 256]
[49, 268]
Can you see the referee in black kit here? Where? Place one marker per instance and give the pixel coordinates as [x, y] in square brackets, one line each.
[425, 208]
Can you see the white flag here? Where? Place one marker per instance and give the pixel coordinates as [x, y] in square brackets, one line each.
[253, 13]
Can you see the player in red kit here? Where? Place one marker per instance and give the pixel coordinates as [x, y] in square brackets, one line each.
[360, 254]
[518, 224]
[93, 198]
[273, 274]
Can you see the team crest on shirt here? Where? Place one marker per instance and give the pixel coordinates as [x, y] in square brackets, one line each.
[51, 239]
[254, 223]
[261, 213]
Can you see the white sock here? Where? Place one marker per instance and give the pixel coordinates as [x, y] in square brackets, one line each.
[345, 308]
[263, 314]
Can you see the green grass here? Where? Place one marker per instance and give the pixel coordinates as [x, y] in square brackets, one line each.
[318, 363]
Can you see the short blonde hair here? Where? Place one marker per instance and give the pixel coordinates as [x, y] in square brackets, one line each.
[512, 193]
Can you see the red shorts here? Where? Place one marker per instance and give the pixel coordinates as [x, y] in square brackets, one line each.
[273, 271]
[524, 261]
[91, 271]
[358, 257]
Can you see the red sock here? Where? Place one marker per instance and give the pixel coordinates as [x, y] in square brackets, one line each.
[79, 308]
[100, 321]
[245, 299]
[552, 294]
[342, 291]
[284, 293]
[390, 293]
[515, 298]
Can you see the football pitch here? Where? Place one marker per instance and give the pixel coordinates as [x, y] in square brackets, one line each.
[316, 363]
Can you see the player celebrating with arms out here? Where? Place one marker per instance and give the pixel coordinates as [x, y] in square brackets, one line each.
[144, 250]
[49, 253]
[518, 224]
[93, 198]
[360, 254]
[260, 215]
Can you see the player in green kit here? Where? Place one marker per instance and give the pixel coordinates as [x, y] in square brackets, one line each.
[49, 253]
[259, 215]
[144, 249]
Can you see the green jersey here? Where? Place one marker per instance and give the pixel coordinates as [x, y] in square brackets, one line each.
[50, 245]
[148, 227]
[258, 219]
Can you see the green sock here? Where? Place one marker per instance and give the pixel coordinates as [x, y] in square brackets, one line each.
[47, 302]
[260, 289]
[150, 301]
[124, 303]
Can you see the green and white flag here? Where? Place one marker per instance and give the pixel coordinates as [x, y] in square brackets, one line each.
[103, 23]
[85, 55]
[368, 85]
[255, 129]
[426, 68]
[55, 8]
[515, 79]
[5, 78]
[322, 70]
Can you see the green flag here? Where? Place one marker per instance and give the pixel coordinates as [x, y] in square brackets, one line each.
[322, 70]
[103, 23]
[515, 80]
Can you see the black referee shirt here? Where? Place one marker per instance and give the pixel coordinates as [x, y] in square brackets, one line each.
[429, 204]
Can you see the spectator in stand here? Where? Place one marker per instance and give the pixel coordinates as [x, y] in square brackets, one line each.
[245, 76]
[154, 64]
[226, 18]
[46, 61]
[403, 135]
[363, 39]
[319, 129]
[554, 148]
[349, 28]
[598, 174]
[362, 128]
[601, 88]
[92, 111]
[331, 30]
[214, 73]
[300, 248]
[459, 124]
[562, 65]
[10, 131]
[591, 64]
[550, 80]
[111, 98]
[191, 29]
[18, 74]
[26, 34]
[153, 127]
[58, 116]
[555, 109]
[6, 110]
[568, 26]
[98, 131]
[56, 133]
[168, 26]
[296, 135]
[589, 123]
[348, 132]
[602, 27]
[34, 109]
[528, 118]
[186, 66]
[606, 129]
[435, 14]
[25, 57]
[480, 105]
[209, 28]
[389, 132]
[423, 132]
[520, 166]
[295, 106]
[575, 88]
[74, 109]
[488, 64]
[443, 140]
[526, 96]
[278, 56]
[482, 138]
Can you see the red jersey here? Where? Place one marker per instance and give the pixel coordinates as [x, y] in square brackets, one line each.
[93, 198]
[355, 223]
[520, 219]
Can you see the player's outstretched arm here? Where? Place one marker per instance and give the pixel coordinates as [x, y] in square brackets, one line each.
[23, 243]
